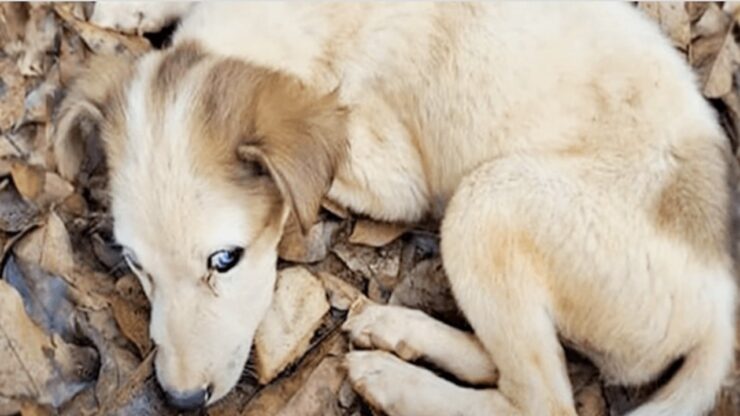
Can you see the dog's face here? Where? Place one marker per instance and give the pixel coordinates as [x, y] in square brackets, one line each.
[207, 159]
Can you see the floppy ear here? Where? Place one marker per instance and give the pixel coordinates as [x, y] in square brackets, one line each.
[84, 108]
[300, 139]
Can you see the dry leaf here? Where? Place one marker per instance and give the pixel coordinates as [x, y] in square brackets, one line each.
[334, 207]
[46, 297]
[131, 311]
[102, 41]
[48, 246]
[318, 396]
[12, 92]
[13, 18]
[297, 309]
[139, 395]
[41, 37]
[28, 179]
[341, 294]
[16, 214]
[381, 264]
[672, 19]
[55, 190]
[274, 396]
[375, 233]
[35, 365]
[312, 247]
[714, 54]
[426, 287]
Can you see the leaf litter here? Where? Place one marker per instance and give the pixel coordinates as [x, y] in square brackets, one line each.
[74, 321]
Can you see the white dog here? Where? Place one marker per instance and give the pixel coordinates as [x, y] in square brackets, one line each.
[581, 179]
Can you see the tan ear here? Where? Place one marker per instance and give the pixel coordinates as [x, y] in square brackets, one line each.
[84, 108]
[300, 139]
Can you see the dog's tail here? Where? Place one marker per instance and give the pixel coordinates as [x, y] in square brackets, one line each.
[693, 389]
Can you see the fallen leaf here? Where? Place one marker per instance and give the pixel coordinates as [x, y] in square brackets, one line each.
[102, 41]
[318, 395]
[139, 395]
[41, 36]
[16, 214]
[46, 297]
[48, 246]
[335, 208]
[13, 18]
[673, 20]
[131, 311]
[375, 234]
[714, 54]
[297, 309]
[56, 190]
[381, 264]
[426, 287]
[341, 294]
[34, 365]
[273, 397]
[12, 92]
[309, 248]
[28, 179]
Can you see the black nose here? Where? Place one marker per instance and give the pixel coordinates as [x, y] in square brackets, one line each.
[187, 400]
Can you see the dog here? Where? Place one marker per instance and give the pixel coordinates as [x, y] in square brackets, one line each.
[583, 187]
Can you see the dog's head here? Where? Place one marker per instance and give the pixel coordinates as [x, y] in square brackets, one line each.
[207, 158]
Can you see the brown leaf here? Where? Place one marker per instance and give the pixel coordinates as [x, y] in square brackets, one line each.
[341, 294]
[49, 247]
[714, 53]
[102, 41]
[673, 20]
[312, 247]
[13, 18]
[34, 365]
[139, 395]
[131, 311]
[376, 234]
[56, 190]
[16, 214]
[296, 312]
[28, 179]
[426, 287]
[41, 35]
[274, 396]
[12, 93]
[318, 395]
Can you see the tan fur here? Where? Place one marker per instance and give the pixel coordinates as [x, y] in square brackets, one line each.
[581, 180]
[692, 205]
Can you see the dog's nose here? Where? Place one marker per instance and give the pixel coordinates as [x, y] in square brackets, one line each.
[187, 400]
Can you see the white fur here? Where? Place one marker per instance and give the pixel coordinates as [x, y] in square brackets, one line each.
[544, 133]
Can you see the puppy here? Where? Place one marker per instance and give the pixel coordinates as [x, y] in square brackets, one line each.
[581, 181]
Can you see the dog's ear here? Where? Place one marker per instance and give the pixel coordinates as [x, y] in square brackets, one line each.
[299, 138]
[85, 107]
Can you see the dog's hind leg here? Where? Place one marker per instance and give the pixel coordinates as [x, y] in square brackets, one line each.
[411, 334]
[500, 277]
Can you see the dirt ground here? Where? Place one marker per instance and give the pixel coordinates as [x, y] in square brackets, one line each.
[73, 319]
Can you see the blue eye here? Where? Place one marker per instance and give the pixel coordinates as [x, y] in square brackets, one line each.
[223, 260]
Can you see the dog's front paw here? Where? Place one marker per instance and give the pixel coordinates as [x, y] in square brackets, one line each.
[379, 376]
[390, 328]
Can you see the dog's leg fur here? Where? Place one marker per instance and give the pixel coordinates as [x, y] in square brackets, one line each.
[403, 389]
[411, 334]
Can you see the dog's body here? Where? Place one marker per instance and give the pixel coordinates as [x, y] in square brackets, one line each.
[582, 179]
